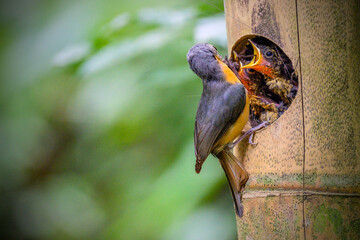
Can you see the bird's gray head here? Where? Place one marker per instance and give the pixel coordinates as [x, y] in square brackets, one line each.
[203, 60]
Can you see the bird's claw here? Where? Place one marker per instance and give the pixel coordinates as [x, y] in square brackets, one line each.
[251, 140]
[251, 133]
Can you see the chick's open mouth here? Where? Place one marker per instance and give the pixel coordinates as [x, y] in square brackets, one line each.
[271, 94]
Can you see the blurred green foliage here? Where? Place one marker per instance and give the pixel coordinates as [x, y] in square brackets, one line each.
[97, 114]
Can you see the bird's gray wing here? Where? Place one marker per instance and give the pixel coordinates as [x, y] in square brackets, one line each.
[220, 106]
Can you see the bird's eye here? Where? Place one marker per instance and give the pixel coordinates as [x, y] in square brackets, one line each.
[251, 71]
[269, 54]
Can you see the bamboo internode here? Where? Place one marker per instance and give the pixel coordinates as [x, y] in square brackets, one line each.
[304, 173]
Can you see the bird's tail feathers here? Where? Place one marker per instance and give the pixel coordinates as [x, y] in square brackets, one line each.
[198, 164]
[236, 175]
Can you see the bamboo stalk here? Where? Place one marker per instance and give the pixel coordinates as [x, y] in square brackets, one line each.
[313, 149]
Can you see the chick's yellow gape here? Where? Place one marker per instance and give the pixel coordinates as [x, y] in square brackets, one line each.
[277, 69]
[222, 114]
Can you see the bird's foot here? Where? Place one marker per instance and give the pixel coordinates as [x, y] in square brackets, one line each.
[250, 132]
[251, 140]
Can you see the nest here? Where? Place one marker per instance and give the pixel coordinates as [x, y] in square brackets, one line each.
[273, 87]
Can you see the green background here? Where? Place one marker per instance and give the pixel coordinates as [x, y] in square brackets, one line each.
[97, 114]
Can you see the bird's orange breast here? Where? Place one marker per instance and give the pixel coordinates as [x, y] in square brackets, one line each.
[235, 130]
[228, 73]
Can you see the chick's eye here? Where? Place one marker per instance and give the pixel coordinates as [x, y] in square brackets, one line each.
[251, 71]
[269, 54]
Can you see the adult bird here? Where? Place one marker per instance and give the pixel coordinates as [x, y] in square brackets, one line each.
[221, 116]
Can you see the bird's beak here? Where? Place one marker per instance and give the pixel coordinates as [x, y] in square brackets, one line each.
[259, 63]
[241, 70]
[236, 58]
[244, 78]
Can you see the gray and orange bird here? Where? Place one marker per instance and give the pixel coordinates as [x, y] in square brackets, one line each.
[221, 116]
